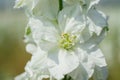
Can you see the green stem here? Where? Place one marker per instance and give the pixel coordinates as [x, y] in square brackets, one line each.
[60, 5]
[66, 77]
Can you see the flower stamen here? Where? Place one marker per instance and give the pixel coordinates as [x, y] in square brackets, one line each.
[67, 41]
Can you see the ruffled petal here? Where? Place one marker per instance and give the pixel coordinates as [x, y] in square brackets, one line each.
[68, 60]
[22, 76]
[79, 74]
[31, 48]
[56, 72]
[85, 35]
[93, 41]
[98, 58]
[86, 62]
[25, 76]
[42, 29]
[46, 8]
[53, 54]
[70, 19]
[94, 53]
[40, 61]
[29, 4]
[93, 2]
[44, 33]
[38, 66]
[97, 21]
[37, 8]
[100, 73]
[37, 63]
[87, 3]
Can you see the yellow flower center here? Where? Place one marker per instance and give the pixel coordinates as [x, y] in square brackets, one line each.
[67, 41]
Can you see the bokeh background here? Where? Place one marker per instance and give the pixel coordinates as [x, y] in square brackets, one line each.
[13, 56]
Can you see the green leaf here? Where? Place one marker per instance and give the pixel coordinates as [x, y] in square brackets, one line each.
[28, 31]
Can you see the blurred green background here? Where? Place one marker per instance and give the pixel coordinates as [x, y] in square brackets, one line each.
[13, 56]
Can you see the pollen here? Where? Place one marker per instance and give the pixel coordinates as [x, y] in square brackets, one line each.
[67, 41]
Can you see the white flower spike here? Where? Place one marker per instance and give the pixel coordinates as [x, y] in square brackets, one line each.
[62, 42]
[63, 38]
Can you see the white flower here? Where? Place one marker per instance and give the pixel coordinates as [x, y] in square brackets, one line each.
[63, 42]
[37, 67]
[85, 3]
[60, 40]
[37, 8]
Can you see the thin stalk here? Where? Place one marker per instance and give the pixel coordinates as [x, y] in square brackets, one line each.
[60, 5]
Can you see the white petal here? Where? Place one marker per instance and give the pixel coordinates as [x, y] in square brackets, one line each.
[92, 2]
[44, 33]
[37, 63]
[85, 35]
[79, 74]
[46, 8]
[88, 3]
[53, 54]
[86, 62]
[73, 26]
[30, 4]
[56, 72]
[70, 19]
[48, 46]
[91, 46]
[22, 76]
[68, 60]
[25, 76]
[35, 50]
[97, 21]
[89, 67]
[39, 66]
[31, 48]
[100, 73]
[37, 60]
[42, 29]
[98, 57]
[93, 41]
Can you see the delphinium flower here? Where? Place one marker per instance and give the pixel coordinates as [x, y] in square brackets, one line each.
[63, 40]
[60, 40]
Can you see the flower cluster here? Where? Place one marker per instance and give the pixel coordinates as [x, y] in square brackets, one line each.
[62, 37]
